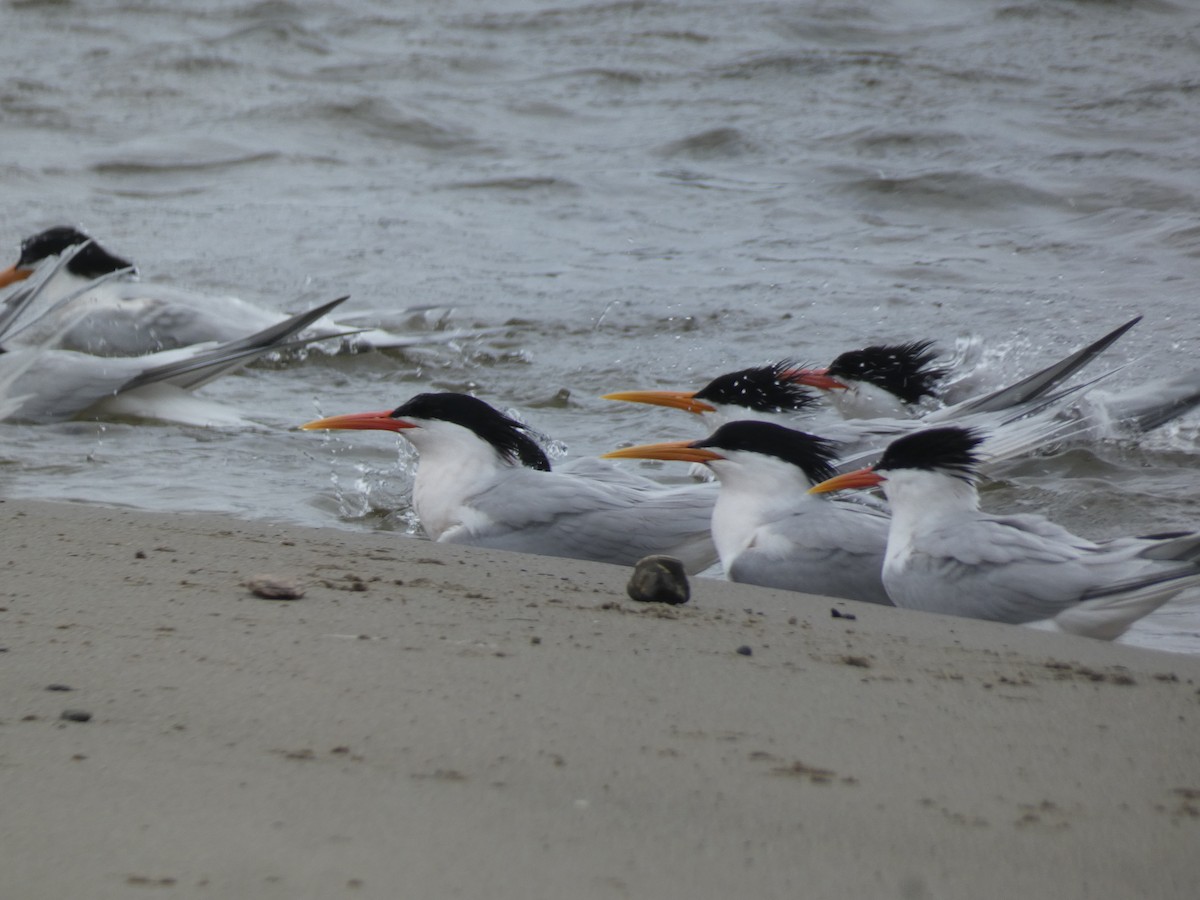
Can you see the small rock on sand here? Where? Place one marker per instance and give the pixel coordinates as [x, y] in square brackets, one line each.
[659, 579]
[275, 587]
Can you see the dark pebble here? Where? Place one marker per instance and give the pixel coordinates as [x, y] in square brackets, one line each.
[838, 614]
[76, 715]
[659, 579]
[744, 650]
[59, 687]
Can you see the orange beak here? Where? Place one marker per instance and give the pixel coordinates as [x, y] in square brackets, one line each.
[673, 451]
[860, 478]
[685, 400]
[815, 378]
[365, 421]
[12, 274]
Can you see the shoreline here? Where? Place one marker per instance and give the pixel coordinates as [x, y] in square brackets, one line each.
[435, 721]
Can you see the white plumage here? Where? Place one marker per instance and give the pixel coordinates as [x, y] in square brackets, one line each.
[482, 480]
[946, 555]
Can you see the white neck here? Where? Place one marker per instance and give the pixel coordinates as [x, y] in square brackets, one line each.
[755, 490]
[919, 500]
[863, 400]
[455, 465]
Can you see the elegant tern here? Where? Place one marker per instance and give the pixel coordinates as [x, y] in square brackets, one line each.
[883, 380]
[898, 377]
[763, 392]
[777, 392]
[124, 316]
[483, 480]
[40, 385]
[768, 529]
[945, 555]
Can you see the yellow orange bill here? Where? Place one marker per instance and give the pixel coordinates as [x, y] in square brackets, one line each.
[815, 378]
[364, 421]
[856, 480]
[685, 400]
[12, 274]
[674, 451]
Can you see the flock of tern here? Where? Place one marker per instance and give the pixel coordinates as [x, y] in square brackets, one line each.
[790, 452]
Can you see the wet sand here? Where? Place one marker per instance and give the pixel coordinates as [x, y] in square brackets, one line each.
[430, 721]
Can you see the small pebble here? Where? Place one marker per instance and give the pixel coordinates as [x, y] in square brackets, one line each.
[838, 614]
[76, 715]
[59, 687]
[275, 587]
[745, 650]
[659, 579]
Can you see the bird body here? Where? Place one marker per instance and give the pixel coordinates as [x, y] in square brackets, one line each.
[44, 384]
[1018, 419]
[945, 555]
[126, 317]
[96, 304]
[482, 480]
[885, 380]
[768, 530]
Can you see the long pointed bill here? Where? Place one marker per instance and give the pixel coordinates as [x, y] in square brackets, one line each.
[365, 421]
[685, 400]
[13, 274]
[675, 451]
[860, 478]
[815, 378]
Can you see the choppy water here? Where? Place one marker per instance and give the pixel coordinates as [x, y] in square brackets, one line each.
[642, 193]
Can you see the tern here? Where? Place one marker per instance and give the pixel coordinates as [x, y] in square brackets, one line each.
[895, 380]
[945, 555]
[778, 392]
[482, 479]
[42, 384]
[767, 528]
[882, 381]
[123, 316]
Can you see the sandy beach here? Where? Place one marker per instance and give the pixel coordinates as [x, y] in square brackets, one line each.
[430, 721]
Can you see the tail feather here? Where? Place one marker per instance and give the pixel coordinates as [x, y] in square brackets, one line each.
[1107, 614]
[1037, 384]
[1153, 405]
[202, 368]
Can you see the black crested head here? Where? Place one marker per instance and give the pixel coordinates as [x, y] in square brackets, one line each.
[90, 262]
[815, 456]
[509, 437]
[950, 450]
[762, 389]
[905, 370]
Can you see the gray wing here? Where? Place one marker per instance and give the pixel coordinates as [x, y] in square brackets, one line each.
[120, 316]
[1036, 385]
[557, 514]
[31, 301]
[53, 385]
[829, 548]
[201, 368]
[1007, 569]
